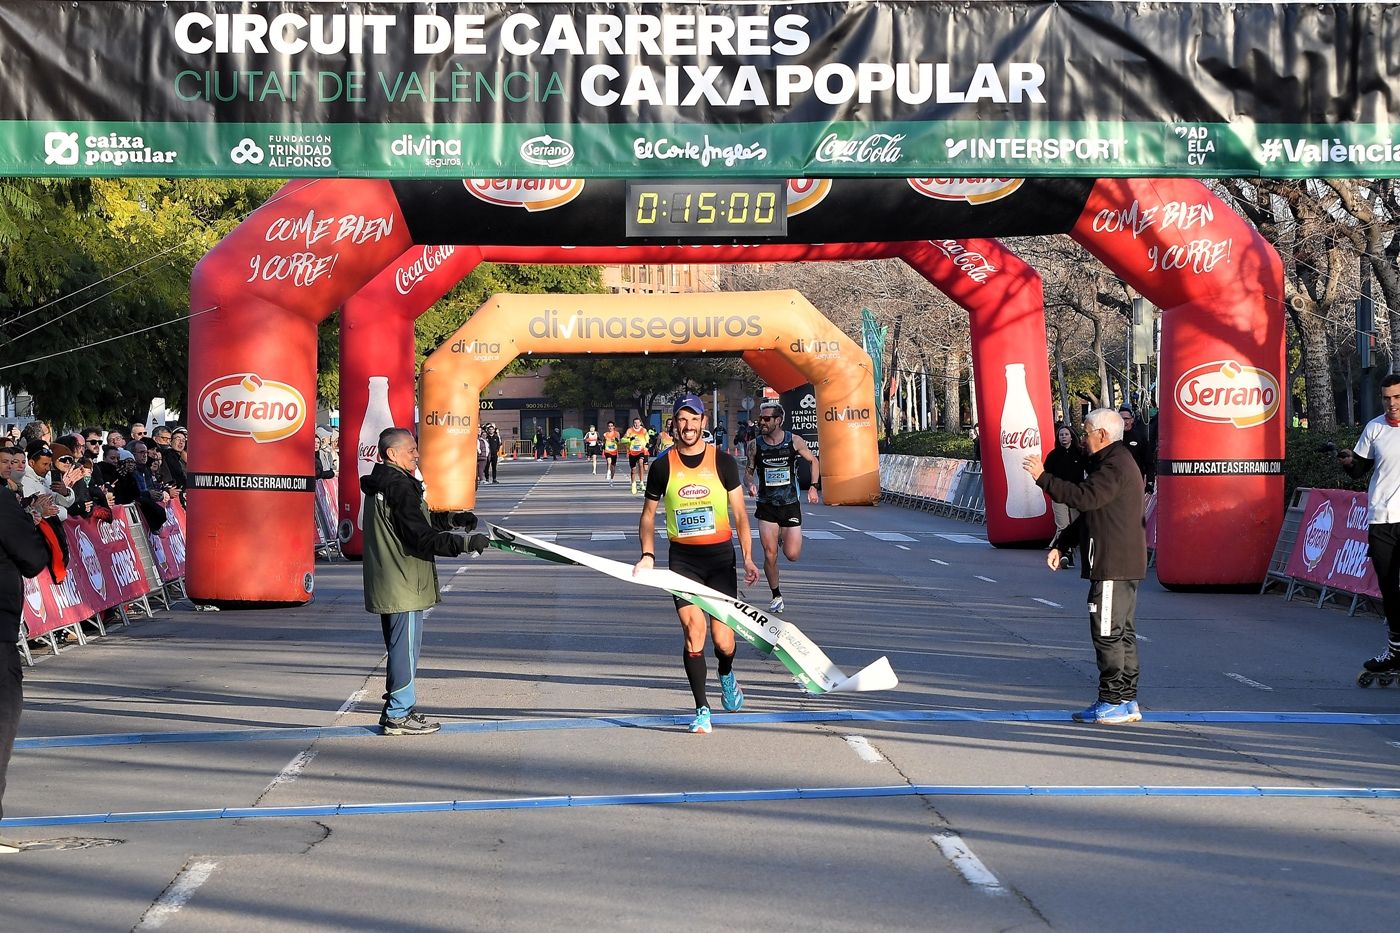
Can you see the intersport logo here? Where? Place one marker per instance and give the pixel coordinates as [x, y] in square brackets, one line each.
[1317, 534]
[533, 194]
[546, 151]
[971, 190]
[1226, 392]
[246, 405]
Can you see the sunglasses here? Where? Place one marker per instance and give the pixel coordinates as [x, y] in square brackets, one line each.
[65, 459]
[770, 417]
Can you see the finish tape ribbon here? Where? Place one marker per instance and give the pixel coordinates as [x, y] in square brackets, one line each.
[768, 634]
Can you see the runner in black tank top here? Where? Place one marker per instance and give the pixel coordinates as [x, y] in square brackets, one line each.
[772, 477]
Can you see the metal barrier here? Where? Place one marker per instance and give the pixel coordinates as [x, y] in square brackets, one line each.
[1278, 562]
[940, 485]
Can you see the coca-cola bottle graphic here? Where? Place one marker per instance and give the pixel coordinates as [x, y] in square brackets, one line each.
[377, 419]
[1020, 438]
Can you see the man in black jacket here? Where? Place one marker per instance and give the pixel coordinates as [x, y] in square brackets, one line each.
[1113, 548]
[23, 553]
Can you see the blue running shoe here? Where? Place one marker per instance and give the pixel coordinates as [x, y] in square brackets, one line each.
[1114, 714]
[700, 725]
[733, 697]
[1091, 714]
[1134, 712]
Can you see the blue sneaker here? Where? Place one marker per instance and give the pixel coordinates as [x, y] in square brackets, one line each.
[1134, 712]
[1114, 714]
[700, 725]
[732, 696]
[1091, 714]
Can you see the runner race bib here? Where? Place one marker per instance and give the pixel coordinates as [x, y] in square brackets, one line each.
[696, 521]
[776, 476]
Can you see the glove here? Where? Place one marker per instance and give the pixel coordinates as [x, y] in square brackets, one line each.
[464, 519]
[478, 543]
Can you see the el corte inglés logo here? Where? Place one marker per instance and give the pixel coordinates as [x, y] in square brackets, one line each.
[1225, 392]
[533, 194]
[246, 405]
[971, 190]
[1316, 535]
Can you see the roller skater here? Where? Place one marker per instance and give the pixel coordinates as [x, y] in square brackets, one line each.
[1383, 669]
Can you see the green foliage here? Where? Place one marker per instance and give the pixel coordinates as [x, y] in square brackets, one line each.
[592, 382]
[1307, 465]
[929, 444]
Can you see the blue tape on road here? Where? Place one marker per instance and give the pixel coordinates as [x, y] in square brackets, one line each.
[709, 796]
[309, 734]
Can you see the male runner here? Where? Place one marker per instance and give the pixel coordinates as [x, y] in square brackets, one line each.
[610, 442]
[637, 454]
[590, 441]
[700, 488]
[772, 477]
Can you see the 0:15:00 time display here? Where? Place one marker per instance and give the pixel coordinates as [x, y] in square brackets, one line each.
[700, 210]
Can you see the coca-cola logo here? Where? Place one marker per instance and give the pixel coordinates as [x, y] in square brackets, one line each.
[971, 190]
[970, 262]
[806, 193]
[1317, 534]
[533, 194]
[875, 148]
[246, 405]
[406, 277]
[1026, 439]
[1227, 392]
[693, 491]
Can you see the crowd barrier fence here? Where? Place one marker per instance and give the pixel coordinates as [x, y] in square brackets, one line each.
[1321, 551]
[941, 485]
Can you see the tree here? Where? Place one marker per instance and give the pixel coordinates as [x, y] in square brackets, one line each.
[593, 382]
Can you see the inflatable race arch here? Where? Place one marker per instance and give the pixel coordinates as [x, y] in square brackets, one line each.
[383, 252]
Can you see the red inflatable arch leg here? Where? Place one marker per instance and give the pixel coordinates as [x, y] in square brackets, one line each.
[1002, 296]
[1221, 420]
[257, 298]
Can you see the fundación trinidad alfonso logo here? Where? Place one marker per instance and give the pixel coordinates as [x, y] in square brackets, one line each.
[246, 405]
[533, 194]
[1227, 392]
[1316, 534]
[971, 190]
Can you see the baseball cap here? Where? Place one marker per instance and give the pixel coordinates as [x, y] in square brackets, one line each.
[693, 402]
[124, 454]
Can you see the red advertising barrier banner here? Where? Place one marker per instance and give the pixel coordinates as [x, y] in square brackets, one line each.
[168, 547]
[1330, 549]
[103, 571]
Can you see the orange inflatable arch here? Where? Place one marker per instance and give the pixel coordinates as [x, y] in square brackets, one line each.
[755, 324]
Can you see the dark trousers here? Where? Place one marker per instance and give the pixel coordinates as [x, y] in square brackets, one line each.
[403, 640]
[1383, 547]
[491, 462]
[11, 701]
[1112, 604]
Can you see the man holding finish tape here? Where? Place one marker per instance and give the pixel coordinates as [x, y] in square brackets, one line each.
[701, 489]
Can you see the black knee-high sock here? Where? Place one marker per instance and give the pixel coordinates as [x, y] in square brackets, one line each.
[725, 662]
[695, 671]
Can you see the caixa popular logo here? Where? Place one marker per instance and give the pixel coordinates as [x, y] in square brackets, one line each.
[1316, 534]
[971, 190]
[246, 405]
[693, 491]
[546, 151]
[1226, 392]
[533, 194]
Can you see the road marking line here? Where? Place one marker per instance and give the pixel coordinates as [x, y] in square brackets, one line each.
[816, 535]
[889, 536]
[967, 864]
[291, 772]
[1047, 602]
[964, 539]
[863, 749]
[847, 527]
[902, 547]
[1396, 744]
[942, 563]
[447, 587]
[1246, 681]
[988, 579]
[350, 702]
[177, 895]
[608, 536]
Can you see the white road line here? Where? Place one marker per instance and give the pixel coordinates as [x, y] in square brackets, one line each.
[964, 539]
[967, 864]
[941, 563]
[863, 749]
[902, 547]
[987, 579]
[821, 535]
[1052, 605]
[607, 536]
[847, 527]
[291, 772]
[350, 702]
[1396, 744]
[447, 587]
[177, 895]
[1246, 681]
[889, 536]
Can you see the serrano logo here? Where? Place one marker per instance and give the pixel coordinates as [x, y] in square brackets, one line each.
[87, 553]
[546, 151]
[533, 194]
[806, 193]
[1317, 534]
[1224, 392]
[693, 491]
[971, 190]
[246, 405]
[35, 598]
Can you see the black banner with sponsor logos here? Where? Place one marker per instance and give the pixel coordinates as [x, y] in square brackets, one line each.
[769, 90]
[255, 482]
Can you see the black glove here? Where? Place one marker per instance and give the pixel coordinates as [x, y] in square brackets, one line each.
[464, 519]
[478, 543]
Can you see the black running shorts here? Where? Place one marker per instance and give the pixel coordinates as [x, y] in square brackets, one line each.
[711, 564]
[784, 516]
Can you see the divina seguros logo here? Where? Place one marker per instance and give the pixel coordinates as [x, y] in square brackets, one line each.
[246, 405]
[678, 330]
[1226, 392]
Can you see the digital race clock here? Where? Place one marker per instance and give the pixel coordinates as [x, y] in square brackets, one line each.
[695, 209]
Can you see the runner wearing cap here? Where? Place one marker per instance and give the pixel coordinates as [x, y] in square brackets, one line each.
[700, 489]
[772, 479]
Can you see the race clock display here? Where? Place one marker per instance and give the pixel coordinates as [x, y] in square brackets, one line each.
[700, 209]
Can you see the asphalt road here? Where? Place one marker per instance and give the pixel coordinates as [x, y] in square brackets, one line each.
[970, 801]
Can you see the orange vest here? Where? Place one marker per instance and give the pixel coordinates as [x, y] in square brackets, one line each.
[697, 504]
